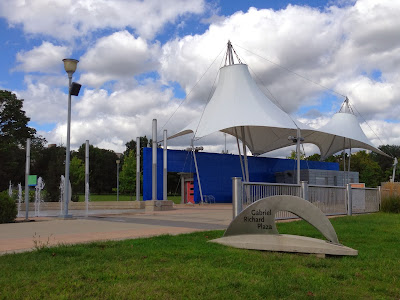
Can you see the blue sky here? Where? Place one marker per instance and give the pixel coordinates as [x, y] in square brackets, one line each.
[139, 59]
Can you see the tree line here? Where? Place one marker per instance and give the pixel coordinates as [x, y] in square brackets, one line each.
[49, 162]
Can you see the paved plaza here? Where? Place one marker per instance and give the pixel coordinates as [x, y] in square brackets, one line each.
[100, 225]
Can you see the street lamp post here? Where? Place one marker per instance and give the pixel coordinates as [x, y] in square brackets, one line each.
[117, 161]
[70, 67]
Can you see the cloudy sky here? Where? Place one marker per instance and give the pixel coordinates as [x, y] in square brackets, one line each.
[141, 60]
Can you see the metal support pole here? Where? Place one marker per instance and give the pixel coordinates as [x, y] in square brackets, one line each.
[118, 180]
[394, 169]
[236, 196]
[246, 164]
[182, 189]
[27, 168]
[379, 197]
[298, 154]
[87, 170]
[67, 152]
[165, 173]
[197, 173]
[349, 200]
[154, 169]
[138, 169]
[304, 190]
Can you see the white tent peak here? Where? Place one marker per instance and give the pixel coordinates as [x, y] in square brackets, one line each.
[346, 108]
[343, 131]
[238, 107]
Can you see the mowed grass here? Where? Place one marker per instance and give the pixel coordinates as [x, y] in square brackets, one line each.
[189, 267]
[113, 197]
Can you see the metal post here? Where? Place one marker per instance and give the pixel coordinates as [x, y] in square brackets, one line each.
[304, 190]
[67, 152]
[138, 169]
[298, 154]
[118, 161]
[394, 169]
[349, 200]
[165, 173]
[154, 169]
[27, 167]
[246, 164]
[182, 189]
[197, 172]
[379, 197]
[87, 170]
[236, 196]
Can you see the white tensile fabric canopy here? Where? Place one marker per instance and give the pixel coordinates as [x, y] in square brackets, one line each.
[238, 107]
[343, 131]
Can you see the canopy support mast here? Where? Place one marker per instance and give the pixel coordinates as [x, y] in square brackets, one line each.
[394, 169]
[197, 171]
[246, 164]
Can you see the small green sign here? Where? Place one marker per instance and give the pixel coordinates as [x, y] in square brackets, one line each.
[32, 180]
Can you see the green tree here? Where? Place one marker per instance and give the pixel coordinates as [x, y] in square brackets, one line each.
[51, 165]
[128, 174]
[77, 177]
[102, 168]
[369, 170]
[14, 131]
[293, 155]
[386, 163]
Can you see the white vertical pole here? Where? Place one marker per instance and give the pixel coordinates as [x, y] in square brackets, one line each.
[298, 154]
[138, 169]
[165, 173]
[349, 200]
[394, 169]
[236, 196]
[154, 169]
[87, 170]
[197, 173]
[27, 168]
[67, 152]
[246, 164]
[118, 179]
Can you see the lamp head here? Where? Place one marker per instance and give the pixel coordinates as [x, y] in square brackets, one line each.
[70, 65]
[117, 161]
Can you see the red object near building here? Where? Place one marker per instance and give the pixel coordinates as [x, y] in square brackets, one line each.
[189, 189]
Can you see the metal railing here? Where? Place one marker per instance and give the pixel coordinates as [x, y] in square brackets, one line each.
[331, 200]
[253, 191]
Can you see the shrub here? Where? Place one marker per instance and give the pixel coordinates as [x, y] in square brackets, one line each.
[391, 204]
[8, 209]
[391, 197]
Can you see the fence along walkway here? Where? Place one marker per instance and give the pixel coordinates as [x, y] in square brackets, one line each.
[332, 200]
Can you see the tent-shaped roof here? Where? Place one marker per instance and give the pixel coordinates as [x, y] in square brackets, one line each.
[239, 106]
[343, 131]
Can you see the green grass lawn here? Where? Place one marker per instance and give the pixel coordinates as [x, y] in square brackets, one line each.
[113, 197]
[188, 267]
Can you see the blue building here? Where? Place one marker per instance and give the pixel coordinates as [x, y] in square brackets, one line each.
[216, 171]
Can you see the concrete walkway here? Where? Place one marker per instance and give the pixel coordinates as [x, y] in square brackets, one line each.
[110, 225]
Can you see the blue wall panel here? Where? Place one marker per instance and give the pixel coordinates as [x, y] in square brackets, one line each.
[216, 171]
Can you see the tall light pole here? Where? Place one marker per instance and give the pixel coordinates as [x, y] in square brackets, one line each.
[70, 67]
[117, 161]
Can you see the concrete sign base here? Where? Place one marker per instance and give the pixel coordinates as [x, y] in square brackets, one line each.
[255, 228]
[285, 243]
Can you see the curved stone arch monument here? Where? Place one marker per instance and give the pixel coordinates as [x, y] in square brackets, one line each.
[255, 228]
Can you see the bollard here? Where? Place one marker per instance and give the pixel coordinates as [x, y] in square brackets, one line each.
[304, 190]
[349, 200]
[236, 196]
